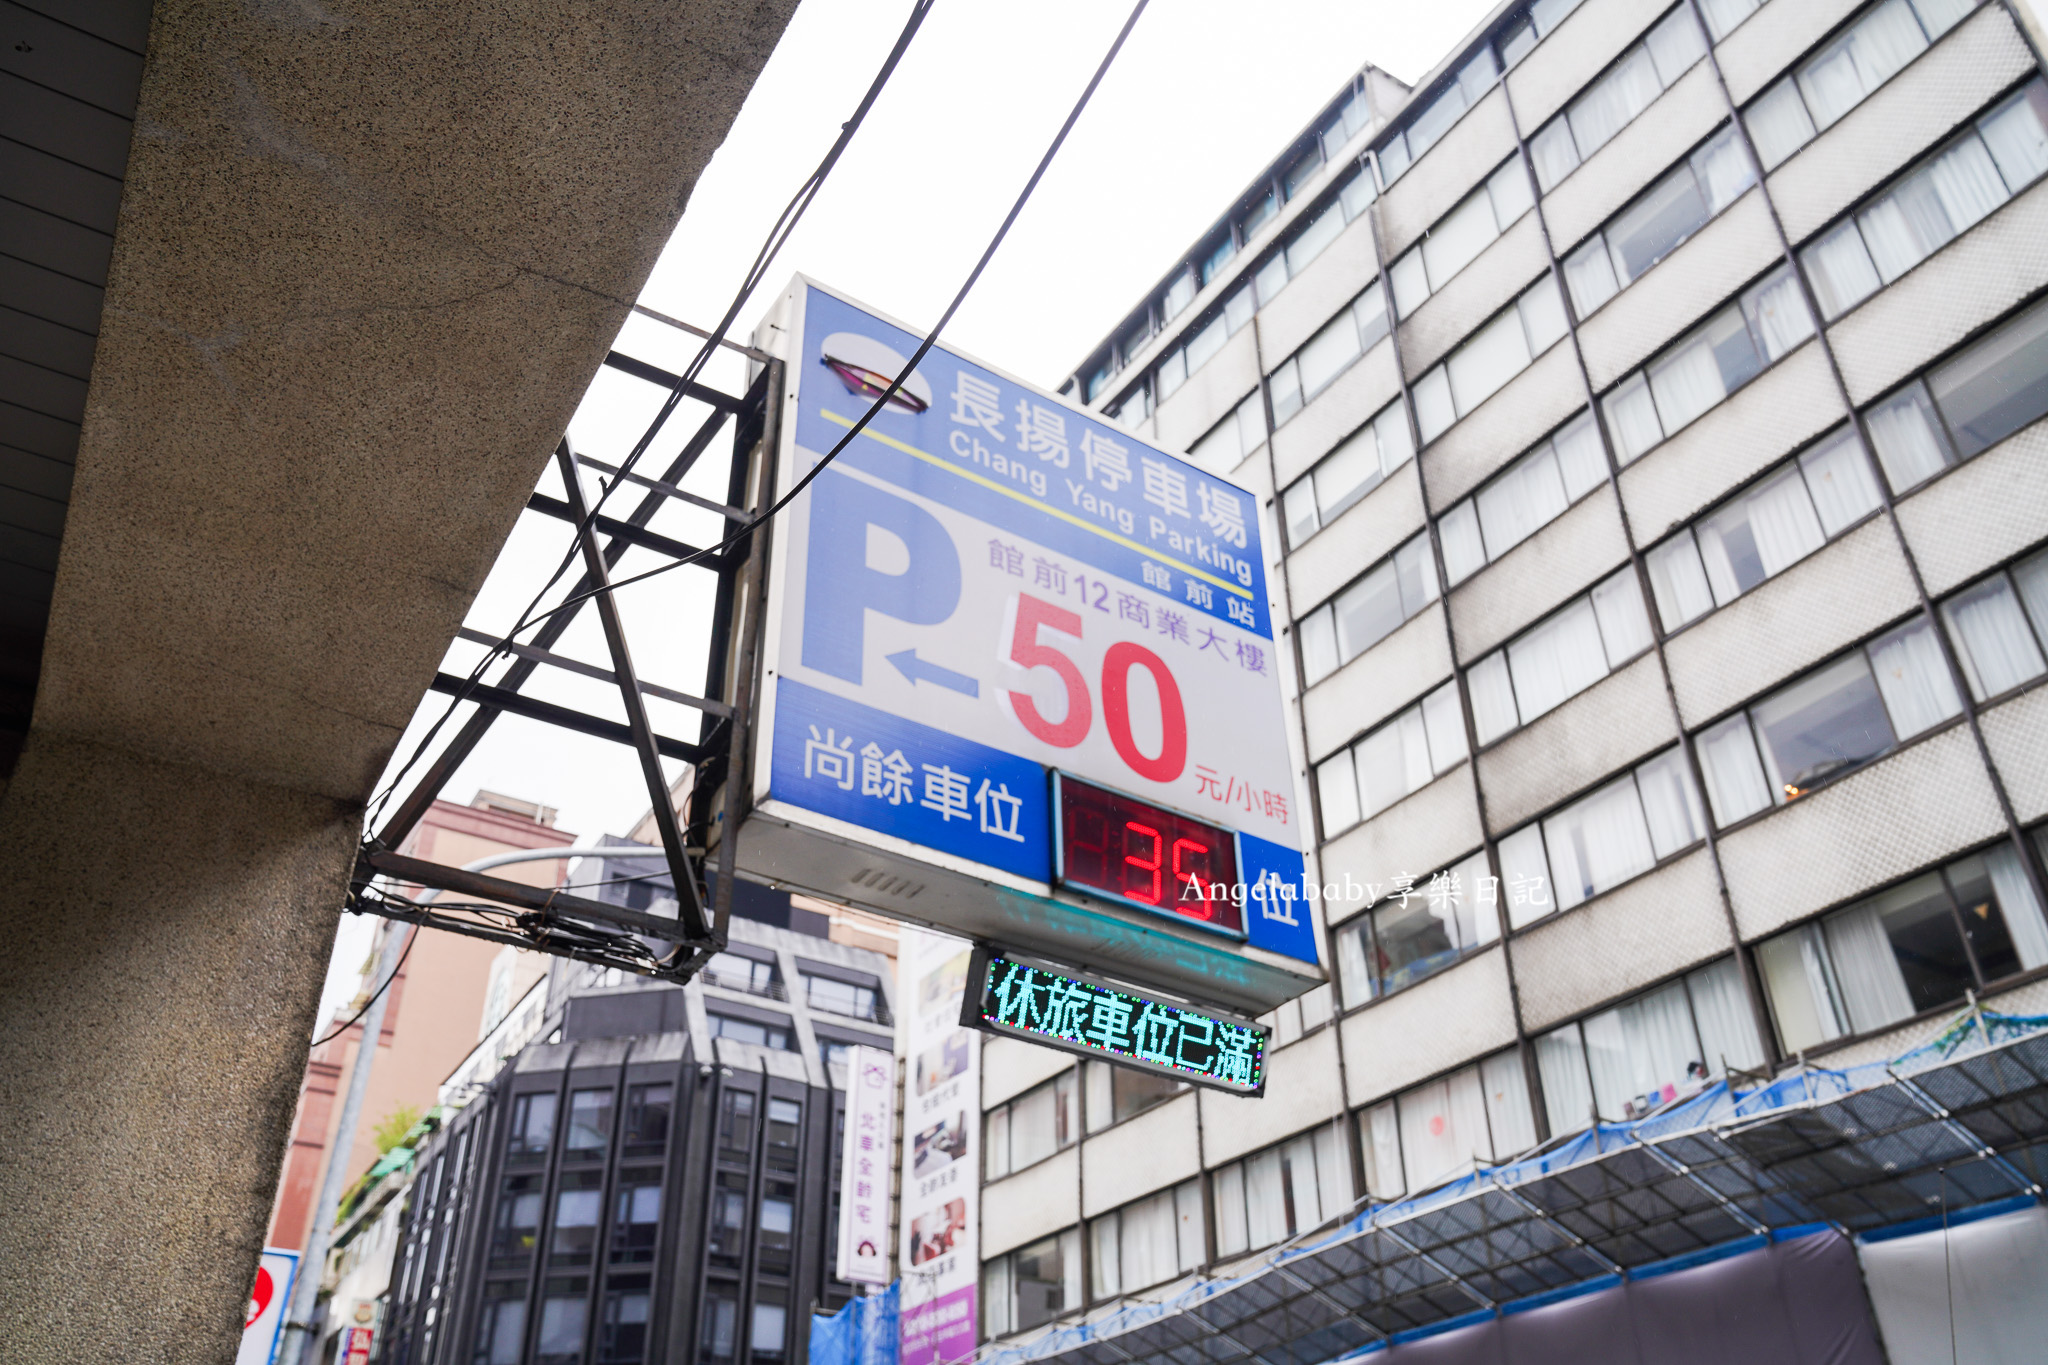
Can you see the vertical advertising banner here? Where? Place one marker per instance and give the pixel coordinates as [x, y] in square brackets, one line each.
[941, 1258]
[864, 1166]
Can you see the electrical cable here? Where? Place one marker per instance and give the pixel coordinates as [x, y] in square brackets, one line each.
[778, 234]
[923, 349]
[403, 954]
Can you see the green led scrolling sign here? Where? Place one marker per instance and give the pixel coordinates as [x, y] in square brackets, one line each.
[1091, 1018]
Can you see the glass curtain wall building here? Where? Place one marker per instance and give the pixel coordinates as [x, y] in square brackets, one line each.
[655, 1178]
[1647, 412]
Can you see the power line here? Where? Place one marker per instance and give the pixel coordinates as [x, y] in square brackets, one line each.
[374, 995]
[923, 349]
[785, 224]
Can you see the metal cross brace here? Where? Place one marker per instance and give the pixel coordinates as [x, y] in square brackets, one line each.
[1348, 1314]
[690, 902]
[1453, 1276]
[1529, 1207]
[1693, 1178]
[1934, 1110]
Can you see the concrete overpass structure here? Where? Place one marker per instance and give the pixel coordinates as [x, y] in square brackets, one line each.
[302, 294]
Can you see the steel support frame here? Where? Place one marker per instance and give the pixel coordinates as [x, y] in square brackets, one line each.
[557, 922]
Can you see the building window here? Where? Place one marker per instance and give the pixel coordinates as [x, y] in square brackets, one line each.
[590, 1123]
[718, 1337]
[1611, 103]
[2005, 152]
[1965, 405]
[784, 1132]
[1203, 343]
[1443, 1128]
[1178, 295]
[1521, 35]
[754, 1032]
[1723, 16]
[770, 1327]
[517, 1227]
[532, 1128]
[845, 997]
[1417, 932]
[1032, 1127]
[1832, 721]
[1233, 438]
[778, 1226]
[1116, 1093]
[1662, 219]
[1341, 479]
[578, 1206]
[1841, 75]
[564, 1315]
[1489, 358]
[735, 972]
[1032, 1285]
[1407, 146]
[622, 1334]
[1560, 657]
[728, 1219]
[636, 1224]
[1764, 530]
[501, 1328]
[736, 1123]
[1132, 409]
[839, 1051]
[1401, 757]
[1999, 626]
[1307, 241]
[1616, 833]
[647, 1111]
[1146, 1243]
[1283, 1191]
[1523, 498]
[1369, 610]
[1913, 948]
[1707, 364]
[1460, 235]
[1303, 376]
[1662, 1046]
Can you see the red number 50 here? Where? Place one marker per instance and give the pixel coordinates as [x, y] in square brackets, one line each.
[1117, 662]
[1026, 650]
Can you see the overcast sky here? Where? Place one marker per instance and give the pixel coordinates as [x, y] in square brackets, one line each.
[1203, 96]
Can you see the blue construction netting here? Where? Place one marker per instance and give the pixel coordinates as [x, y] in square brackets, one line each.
[1718, 1105]
[862, 1333]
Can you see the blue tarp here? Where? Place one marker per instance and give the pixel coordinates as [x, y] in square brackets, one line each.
[862, 1333]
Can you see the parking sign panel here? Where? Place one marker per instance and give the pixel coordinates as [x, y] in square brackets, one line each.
[988, 586]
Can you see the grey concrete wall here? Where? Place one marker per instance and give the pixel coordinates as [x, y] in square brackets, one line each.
[369, 255]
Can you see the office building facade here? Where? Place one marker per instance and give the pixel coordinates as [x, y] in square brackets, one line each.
[1647, 413]
[655, 1176]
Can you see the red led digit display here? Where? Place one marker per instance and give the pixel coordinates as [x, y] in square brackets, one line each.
[1115, 845]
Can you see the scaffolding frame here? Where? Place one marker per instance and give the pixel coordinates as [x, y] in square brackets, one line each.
[580, 927]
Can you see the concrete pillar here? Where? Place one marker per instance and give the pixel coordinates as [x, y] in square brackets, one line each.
[166, 931]
[368, 257]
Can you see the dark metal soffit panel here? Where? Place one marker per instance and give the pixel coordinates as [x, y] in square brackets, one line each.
[70, 72]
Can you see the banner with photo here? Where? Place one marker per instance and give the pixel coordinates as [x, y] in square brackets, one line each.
[941, 1259]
